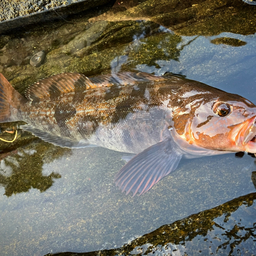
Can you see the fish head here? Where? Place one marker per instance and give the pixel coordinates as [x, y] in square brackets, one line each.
[220, 121]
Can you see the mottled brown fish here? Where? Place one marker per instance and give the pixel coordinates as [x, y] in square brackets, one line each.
[160, 119]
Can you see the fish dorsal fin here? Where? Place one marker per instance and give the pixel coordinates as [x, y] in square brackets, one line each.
[54, 86]
[125, 78]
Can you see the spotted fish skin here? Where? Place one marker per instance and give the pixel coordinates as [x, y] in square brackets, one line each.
[117, 113]
[159, 119]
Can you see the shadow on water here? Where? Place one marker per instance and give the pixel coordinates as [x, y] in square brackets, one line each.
[57, 200]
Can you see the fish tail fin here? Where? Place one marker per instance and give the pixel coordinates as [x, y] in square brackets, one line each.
[10, 101]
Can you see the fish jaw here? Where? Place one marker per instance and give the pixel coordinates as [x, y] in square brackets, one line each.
[250, 138]
[244, 136]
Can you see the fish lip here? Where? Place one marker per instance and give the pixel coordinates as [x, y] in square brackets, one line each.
[250, 133]
[243, 135]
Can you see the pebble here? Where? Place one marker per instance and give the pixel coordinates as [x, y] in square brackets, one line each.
[10, 9]
[37, 59]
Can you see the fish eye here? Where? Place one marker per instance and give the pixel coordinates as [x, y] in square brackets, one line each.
[221, 109]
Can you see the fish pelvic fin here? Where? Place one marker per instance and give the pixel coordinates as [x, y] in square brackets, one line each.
[10, 101]
[148, 167]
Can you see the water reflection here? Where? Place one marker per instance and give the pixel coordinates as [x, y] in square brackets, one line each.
[228, 229]
[252, 2]
[82, 210]
[254, 178]
[21, 169]
[89, 45]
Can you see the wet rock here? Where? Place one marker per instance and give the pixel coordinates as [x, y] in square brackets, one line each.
[19, 13]
[205, 17]
[254, 178]
[89, 45]
[228, 41]
[38, 59]
[198, 234]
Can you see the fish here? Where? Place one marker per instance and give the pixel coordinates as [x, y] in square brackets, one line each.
[157, 119]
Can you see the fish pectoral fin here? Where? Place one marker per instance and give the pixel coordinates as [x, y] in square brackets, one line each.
[148, 167]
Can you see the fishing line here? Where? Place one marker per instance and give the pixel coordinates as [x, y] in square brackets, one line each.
[10, 141]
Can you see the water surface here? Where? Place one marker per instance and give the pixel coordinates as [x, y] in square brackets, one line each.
[56, 200]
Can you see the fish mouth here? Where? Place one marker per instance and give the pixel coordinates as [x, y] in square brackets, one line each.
[250, 133]
[243, 136]
[249, 136]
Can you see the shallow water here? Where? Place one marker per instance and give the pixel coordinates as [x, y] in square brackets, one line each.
[56, 200]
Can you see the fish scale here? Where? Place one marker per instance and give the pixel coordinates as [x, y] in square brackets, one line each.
[158, 119]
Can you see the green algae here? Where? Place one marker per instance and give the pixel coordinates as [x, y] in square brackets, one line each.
[228, 41]
[201, 17]
[26, 164]
[72, 46]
